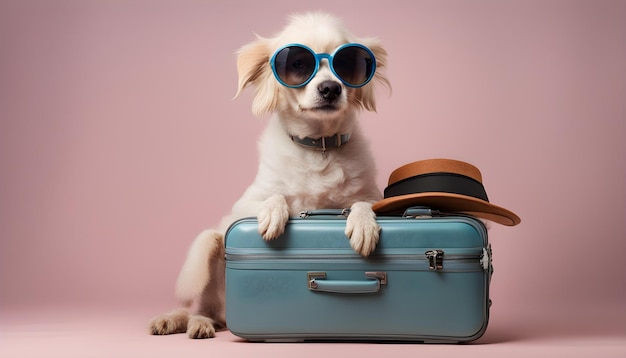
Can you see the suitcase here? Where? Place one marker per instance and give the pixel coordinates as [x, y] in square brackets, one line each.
[428, 280]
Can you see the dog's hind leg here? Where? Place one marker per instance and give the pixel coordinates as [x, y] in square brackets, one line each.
[211, 314]
[201, 279]
[195, 274]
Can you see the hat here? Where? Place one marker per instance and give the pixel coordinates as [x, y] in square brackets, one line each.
[442, 184]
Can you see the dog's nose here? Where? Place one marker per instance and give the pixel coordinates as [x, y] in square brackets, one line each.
[329, 89]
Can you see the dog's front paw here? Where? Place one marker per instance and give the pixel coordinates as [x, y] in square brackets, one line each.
[362, 228]
[273, 217]
[200, 327]
[175, 322]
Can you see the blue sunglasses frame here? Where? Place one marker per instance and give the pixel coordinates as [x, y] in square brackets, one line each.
[318, 58]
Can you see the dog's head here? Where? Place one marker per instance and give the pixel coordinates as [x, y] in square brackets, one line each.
[320, 94]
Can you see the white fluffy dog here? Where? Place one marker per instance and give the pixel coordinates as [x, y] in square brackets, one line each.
[312, 153]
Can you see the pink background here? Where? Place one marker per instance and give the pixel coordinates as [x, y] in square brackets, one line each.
[120, 141]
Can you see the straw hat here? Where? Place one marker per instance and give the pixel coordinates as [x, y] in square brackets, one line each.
[442, 184]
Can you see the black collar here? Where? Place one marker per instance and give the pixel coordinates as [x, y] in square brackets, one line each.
[323, 143]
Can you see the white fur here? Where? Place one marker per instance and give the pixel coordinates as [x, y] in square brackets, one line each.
[290, 178]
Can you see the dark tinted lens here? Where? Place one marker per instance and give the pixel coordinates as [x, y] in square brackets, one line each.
[294, 65]
[354, 65]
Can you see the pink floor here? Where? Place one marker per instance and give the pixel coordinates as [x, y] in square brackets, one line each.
[107, 332]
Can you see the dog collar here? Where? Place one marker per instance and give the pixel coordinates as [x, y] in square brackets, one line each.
[323, 143]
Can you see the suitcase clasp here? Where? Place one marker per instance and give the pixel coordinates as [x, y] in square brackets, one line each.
[435, 259]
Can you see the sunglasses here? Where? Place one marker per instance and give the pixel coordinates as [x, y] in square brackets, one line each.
[295, 65]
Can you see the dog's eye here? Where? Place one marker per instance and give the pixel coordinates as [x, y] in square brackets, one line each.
[294, 65]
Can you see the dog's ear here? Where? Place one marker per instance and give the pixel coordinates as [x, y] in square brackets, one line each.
[365, 94]
[254, 68]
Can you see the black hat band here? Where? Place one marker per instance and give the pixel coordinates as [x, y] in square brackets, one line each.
[438, 182]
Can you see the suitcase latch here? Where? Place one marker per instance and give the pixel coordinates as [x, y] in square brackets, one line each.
[435, 259]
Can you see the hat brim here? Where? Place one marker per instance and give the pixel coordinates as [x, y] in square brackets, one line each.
[447, 202]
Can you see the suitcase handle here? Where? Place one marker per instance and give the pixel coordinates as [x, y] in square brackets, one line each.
[331, 212]
[317, 282]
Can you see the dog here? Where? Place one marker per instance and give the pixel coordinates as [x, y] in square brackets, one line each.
[314, 79]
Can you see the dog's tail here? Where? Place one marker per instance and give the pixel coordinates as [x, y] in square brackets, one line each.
[195, 273]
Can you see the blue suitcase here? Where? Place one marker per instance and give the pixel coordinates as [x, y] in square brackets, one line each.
[428, 280]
